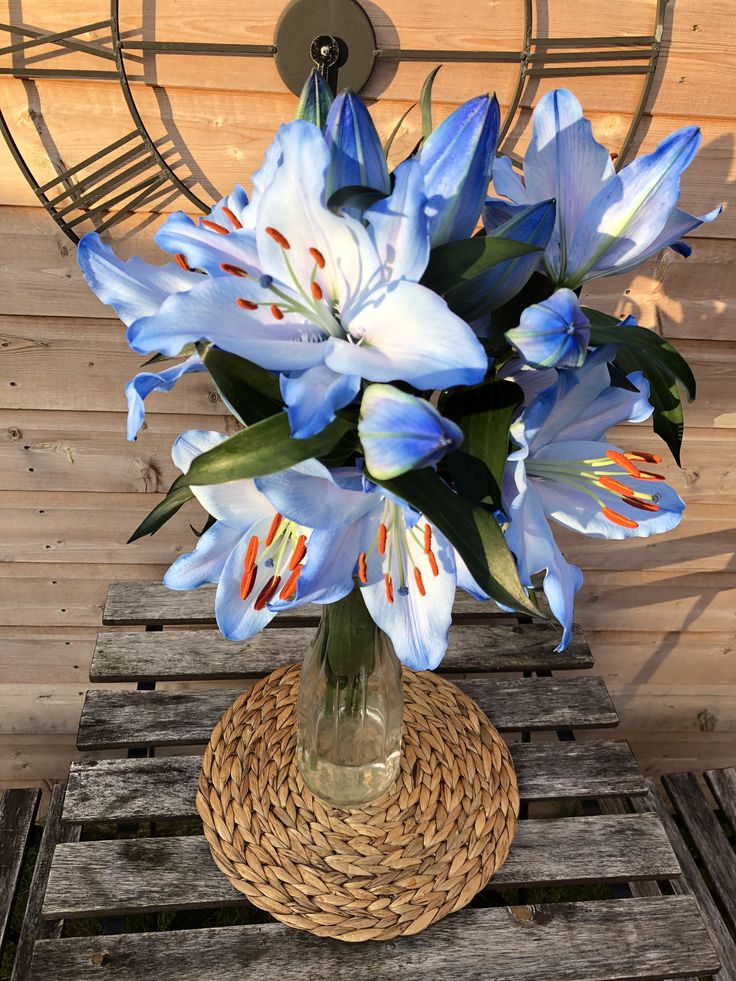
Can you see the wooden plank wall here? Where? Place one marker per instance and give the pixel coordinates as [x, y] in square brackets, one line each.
[660, 614]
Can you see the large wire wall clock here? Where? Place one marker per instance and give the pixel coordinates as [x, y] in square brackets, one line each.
[138, 172]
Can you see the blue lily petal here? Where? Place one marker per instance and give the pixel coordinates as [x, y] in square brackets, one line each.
[206, 562]
[237, 503]
[432, 348]
[508, 183]
[499, 284]
[399, 226]
[310, 494]
[416, 623]
[400, 432]
[203, 248]
[631, 209]
[331, 561]
[237, 618]
[457, 160]
[314, 395]
[357, 155]
[554, 333]
[146, 382]
[276, 345]
[565, 162]
[134, 288]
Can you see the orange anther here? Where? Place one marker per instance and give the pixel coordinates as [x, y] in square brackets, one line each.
[618, 519]
[267, 592]
[382, 533]
[251, 553]
[318, 257]
[274, 528]
[621, 460]
[433, 563]
[234, 220]
[362, 568]
[290, 588]
[642, 456]
[389, 587]
[419, 582]
[427, 539]
[278, 238]
[246, 583]
[300, 550]
[636, 502]
[233, 270]
[316, 290]
[181, 260]
[213, 226]
[246, 304]
[614, 485]
[648, 475]
[276, 313]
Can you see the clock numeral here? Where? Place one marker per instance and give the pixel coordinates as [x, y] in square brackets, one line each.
[63, 41]
[87, 194]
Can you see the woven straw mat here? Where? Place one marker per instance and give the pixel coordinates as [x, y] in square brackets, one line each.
[387, 869]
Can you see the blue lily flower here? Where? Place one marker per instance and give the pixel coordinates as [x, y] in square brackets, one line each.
[554, 333]
[606, 223]
[457, 161]
[564, 469]
[407, 570]
[254, 553]
[325, 291]
[145, 382]
[400, 432]
[358, 159]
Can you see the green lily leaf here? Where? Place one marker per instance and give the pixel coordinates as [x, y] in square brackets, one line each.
[425, 101]
[263, 448]
[455, 263]
[250, 392]
[473, 531]
[164, 510]
[484, 413]
[663, 366]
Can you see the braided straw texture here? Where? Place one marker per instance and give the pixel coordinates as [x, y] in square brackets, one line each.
[387, 869]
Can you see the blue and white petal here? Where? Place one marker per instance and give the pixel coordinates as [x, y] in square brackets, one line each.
[206, 562]
[400, 432]
[399, 225]
[314, 395]
[358, 159]
[133, 288]
[146, 382]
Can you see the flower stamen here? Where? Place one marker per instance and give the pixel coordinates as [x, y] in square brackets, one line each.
[362, 568]
[228, 267]
[389, 586]
[251, 553]
[614, 485]
[648, 475]
[233, 218]
[618, 519]
[318, 257]
[290, 588]
[181, 260]
[637, 502]
[433, 563]
[267, 592]
[278, 237]
[213, 226]
[300, 550]
[621, 460]
[246, 304]
[419, 581]
[276, 313]
[641, 456]
[274, 528]
[316, 290]
[382, 533]
[427, 539]
[247, 582]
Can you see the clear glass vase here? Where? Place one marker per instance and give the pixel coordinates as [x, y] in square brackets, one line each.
[350, 707]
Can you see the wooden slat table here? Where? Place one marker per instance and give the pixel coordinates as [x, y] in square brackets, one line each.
[114, 875]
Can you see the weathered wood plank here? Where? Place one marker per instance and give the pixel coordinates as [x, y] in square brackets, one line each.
[17, 814]
[169, 718]
[723, 785]
[35, 928]
[198, 654]
[165, 788]
[707, 834]
[621, 940]
[691, 883]
[137, 875]
[139, 603]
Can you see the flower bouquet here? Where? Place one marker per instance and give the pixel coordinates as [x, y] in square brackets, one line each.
[421, 395]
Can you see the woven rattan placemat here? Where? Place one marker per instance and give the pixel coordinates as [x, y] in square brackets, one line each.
[388, 869]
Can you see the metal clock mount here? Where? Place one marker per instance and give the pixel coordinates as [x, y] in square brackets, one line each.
[336, 36]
